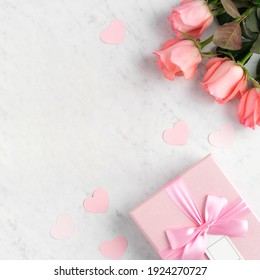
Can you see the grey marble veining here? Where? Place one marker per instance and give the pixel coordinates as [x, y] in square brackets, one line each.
[76, 114]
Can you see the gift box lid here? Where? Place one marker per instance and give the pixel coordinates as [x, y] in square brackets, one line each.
[159, 212]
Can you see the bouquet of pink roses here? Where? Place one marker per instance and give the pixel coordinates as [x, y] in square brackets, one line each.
[236, 39]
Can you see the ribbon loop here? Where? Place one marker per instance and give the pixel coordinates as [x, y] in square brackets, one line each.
[220, 218]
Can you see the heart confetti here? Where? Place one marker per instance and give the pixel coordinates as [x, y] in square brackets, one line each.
[115, 34]
[178, 135]
[114, 249]
[64, 228]
[98, 203]
[224, 137]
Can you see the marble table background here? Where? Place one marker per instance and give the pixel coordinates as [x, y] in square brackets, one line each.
[76, 114]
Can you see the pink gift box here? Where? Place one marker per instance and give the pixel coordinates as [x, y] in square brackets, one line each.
[160, 212]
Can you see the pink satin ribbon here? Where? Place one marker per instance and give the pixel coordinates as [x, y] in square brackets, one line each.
[220, 218]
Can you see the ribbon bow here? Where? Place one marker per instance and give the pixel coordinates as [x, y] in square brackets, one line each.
[220, 218]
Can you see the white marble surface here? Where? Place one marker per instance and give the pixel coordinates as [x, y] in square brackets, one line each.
[76, 114]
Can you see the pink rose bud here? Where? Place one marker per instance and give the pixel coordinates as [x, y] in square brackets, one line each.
[178, 58]
[224, 79]
[192, 17]
[249, 108]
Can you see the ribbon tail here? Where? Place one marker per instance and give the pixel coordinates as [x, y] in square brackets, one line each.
[169, 254]
[180, 237]
[195, 249]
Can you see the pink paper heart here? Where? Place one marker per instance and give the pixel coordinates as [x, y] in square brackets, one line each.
[98, 203]
[114, 249]
[64, 227]
[178, 135]
[115, 34]
[224, 137]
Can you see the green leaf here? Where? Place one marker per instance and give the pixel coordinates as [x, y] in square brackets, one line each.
[258, 71]
[258, 68]
[257, 3]
[228, 36]
[258, 13]
[230, 8]
[246, 32]
[252, 22]
[242, 4]
[238, 55]
[224, 18]
[256, 46]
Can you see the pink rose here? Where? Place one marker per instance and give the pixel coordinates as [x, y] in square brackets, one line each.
[224, 79]
[192, 17]
[249, 108]
[178, 58]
